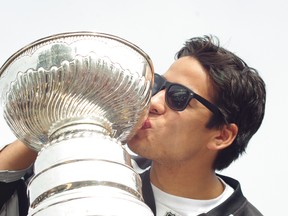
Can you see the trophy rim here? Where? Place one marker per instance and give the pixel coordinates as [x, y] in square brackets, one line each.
[16, 54]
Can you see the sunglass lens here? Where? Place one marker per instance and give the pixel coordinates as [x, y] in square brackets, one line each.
[177, 97]
[158, 84]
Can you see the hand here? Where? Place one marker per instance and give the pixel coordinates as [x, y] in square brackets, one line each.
[16, 156]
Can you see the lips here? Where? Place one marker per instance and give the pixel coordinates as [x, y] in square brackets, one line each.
[146, 124]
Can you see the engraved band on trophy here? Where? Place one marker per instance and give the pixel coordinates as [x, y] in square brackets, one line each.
[76, 97]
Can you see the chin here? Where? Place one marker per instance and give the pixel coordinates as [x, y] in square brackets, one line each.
[132, 146]
[135, 146]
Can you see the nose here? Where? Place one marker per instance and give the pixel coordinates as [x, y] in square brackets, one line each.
[157, 105]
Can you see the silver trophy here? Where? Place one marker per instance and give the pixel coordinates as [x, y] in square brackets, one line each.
[76, 98]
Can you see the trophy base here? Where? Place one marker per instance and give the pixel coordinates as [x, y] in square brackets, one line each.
[101, 202]
[85, 175]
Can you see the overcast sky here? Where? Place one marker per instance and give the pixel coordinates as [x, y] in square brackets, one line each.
[256, 30]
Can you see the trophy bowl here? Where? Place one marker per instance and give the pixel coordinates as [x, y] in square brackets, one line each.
[76, 98]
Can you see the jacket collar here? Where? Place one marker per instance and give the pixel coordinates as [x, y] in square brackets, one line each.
[228, 207]
[147, 191]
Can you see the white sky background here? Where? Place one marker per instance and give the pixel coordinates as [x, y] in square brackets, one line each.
[256, 30]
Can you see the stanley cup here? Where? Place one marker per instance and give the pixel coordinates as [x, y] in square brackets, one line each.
[76, 98]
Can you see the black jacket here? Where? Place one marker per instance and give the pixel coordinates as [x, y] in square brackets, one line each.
[235, 205]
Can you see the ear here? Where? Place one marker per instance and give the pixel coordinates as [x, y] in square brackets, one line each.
[223, 137]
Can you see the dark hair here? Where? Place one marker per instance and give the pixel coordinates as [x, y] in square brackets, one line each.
[239, 93]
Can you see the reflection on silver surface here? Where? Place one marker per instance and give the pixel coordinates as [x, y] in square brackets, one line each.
[76, 98]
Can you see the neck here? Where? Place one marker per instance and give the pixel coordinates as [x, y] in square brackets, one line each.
[186, 181]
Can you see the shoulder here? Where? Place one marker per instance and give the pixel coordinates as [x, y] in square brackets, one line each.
[250, 209]
[237, 203]
[13, 199]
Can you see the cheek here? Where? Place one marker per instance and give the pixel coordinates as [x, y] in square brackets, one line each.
[186, 139]
[173, 140]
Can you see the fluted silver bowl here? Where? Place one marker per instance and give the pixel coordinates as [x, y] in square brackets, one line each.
[64, 78]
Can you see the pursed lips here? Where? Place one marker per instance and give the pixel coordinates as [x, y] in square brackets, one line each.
[146, 124]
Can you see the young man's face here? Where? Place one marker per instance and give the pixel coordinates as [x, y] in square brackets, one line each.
[177, 136]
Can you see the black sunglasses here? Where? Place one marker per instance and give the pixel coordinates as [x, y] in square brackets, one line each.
[178, 96]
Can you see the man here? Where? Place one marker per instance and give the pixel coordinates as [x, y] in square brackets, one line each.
[203, 112]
